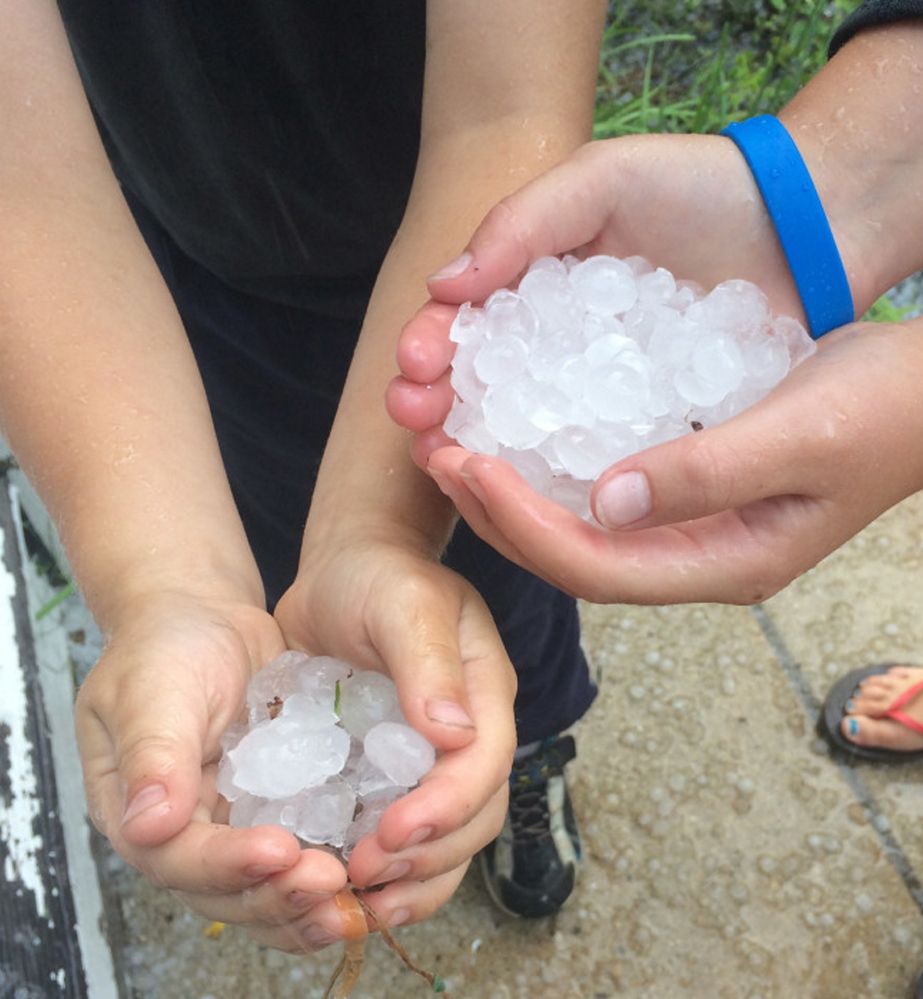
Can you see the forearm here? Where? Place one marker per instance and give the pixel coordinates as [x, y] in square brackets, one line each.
[102, 405]
[367, 475]
[108, 420]
[100, 397]
[859, 126]
[482, 138]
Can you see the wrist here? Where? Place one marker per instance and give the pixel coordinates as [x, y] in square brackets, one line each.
[799, 219]
[368, 489]
[116, 579]
[860, 132]
[421, 523]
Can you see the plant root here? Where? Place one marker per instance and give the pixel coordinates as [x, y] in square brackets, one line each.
[434, 980]
[346, 974]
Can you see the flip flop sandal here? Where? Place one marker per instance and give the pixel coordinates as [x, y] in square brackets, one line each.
[834, 710]
[918, 988]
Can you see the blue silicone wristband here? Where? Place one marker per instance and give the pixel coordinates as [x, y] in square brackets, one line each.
[799, 219]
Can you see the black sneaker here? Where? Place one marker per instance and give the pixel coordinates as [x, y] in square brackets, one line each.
[530, 869]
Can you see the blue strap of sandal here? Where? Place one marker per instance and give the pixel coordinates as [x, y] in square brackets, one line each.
[799, 219]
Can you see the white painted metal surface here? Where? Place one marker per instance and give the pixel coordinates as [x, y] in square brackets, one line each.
[51, 905]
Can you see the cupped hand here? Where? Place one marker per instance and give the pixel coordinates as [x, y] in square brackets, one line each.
[685, 202]
[380, 605]
[736, 512]
[149, 722]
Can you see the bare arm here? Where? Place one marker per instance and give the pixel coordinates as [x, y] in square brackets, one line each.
[859, 127]
[508, 92]
[101, 399]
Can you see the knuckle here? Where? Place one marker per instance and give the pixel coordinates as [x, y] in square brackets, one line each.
[702, 468]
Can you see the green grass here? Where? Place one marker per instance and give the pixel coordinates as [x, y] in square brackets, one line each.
[55, 601]
[885, 311]
[695, 66]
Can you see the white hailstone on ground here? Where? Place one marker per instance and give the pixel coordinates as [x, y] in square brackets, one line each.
[324, 752]
[589, 361]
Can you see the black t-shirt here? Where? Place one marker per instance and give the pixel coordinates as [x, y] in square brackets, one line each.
[275, 140]
[871, 13]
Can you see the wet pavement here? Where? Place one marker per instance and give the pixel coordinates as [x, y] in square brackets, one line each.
[727, 856]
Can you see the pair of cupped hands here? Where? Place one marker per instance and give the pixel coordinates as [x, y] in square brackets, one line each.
[152, 712]
[731, 514]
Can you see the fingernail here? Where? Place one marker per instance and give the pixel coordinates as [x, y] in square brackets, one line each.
[298, 899]
[144, 799]
[448, 713]
[316, 937]
[452, 270]
[264, 870]
[417, 836]
[623, 500]
[393, 872]
[399, 917]
[475, 487]
[853, 727]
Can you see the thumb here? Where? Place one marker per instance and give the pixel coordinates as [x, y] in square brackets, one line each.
[161, 775]
[143, 772]
[444, 636]
[722, 468]
[797, 441]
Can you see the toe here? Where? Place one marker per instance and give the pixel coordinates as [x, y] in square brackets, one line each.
[882, 733]
[878, 692]
[870, 698]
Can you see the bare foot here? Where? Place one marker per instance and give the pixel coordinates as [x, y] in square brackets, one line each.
[864, 723]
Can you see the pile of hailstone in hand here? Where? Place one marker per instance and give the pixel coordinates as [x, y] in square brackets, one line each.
[589, 361]
[324, 751]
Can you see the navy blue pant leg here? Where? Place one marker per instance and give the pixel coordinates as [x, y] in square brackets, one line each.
[540, 628]
[273, 376]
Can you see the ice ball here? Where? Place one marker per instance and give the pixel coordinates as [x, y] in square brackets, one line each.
[400, 752]
[300, 761]
[589, 361]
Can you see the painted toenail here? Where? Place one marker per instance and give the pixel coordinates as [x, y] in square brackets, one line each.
[853, 727]
[850, 707]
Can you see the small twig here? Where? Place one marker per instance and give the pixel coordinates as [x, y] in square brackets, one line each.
[347, 972]
[335, 977]
[434, 980]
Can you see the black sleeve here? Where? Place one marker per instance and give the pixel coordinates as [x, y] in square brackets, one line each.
[871, 13]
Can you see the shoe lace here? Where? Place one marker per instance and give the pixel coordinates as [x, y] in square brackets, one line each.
[529, 816]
